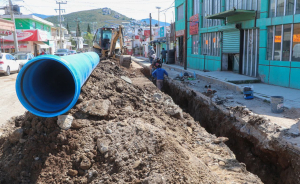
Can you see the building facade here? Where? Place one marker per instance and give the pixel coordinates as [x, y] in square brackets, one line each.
[257, 38]
[33, 35]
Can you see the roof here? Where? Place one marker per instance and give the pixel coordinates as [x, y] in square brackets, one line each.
[229, 13]
[32, 17]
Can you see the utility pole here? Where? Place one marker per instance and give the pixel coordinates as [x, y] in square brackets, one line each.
[15, 32]
[77, 32]
[150, 28]
[158, 8]
[60, 33]
[186, 34]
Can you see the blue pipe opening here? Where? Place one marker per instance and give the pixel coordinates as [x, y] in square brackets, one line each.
[49, 85]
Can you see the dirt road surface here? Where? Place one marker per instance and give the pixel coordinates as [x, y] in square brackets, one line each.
[9, 104]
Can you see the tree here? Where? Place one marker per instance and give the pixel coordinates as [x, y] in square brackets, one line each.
[88, 39]
[89, 29]
[78, 31]
[68, 28]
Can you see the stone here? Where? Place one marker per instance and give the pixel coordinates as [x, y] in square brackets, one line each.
[220, 139]
[102, 144]
[122, 124]
[85, 164]
[108, 131]
[72, 172]
[189, 123]
[22, 141]
[190, 130]
[95, 107]
[126, 79]
[16, 136]
[128, 109]
[154, 179]
[80, 123]
[157, 95]
[65, 122]
[136, 164]
[221, 163]
[174, 112]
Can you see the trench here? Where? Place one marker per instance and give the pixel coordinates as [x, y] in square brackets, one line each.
[272, 167]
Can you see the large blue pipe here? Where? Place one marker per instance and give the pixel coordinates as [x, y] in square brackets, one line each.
[49, 86]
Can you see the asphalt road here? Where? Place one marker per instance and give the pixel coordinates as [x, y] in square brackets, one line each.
[9, 103]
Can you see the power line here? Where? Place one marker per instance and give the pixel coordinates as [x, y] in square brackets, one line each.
[60, 34]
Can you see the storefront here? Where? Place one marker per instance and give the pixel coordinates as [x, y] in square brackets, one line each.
[6, 26]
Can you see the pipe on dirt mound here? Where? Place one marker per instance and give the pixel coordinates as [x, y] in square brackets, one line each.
[49, 86]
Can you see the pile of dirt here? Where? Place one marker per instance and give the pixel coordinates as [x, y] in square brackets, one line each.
[121, 133]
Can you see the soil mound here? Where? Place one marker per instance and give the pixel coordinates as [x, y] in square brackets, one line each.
[121, 133]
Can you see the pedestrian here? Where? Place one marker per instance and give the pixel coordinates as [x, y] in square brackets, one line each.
[43, 52]
[151, 53]
[164, 55]
[159, 74]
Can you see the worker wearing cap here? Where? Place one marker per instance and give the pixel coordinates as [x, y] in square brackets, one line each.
[159, 74]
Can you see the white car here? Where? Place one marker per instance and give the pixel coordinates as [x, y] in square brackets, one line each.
[23, 58]
[8, 64]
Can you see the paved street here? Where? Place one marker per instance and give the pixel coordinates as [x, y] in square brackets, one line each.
[10, 105]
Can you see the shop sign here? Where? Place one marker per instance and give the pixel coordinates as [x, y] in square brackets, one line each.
[137, 37]
[147, 33]
[27, 35]
[179, 33]
[12, 46]
[277, 39]
[194, 24]
[296, 38]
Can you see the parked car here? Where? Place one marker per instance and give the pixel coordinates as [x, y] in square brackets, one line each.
[23, 58]
[72, 52]
[8, 64]
[62, 52]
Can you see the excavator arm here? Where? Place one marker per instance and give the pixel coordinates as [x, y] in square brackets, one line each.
[117, 35]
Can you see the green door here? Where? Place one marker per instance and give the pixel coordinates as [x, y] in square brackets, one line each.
[231, 42]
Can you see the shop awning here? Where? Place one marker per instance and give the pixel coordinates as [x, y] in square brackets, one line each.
[231, 13]
[42, 45]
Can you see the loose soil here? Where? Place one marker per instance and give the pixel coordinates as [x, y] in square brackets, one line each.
[122, 133]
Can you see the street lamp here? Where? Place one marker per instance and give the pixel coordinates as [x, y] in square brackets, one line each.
[158, 8]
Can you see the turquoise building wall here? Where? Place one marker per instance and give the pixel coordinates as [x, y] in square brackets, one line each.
[281, 73]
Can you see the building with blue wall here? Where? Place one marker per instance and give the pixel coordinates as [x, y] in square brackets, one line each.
[258, 38]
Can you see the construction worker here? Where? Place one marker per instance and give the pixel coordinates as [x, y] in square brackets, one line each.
[159, 74]
[151, 53]
[164, 55]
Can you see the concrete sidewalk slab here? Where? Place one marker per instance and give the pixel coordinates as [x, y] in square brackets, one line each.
[229, 80]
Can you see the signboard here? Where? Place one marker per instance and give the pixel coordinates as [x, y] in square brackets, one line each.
[194, 24]
[12, 46]
[147, 33]
[179, 33]
[26, 35]
[296, 38]
[137, 37]
[277, 39]
[162, 32]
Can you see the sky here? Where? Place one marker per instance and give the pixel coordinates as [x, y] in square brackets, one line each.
[136, 9]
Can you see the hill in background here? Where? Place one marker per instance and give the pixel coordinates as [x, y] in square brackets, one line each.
[161, 22]
[88, 17]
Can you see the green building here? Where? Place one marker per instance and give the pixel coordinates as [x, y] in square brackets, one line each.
[257, 38]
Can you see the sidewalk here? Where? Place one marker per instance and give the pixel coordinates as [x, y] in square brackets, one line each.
[236, 82]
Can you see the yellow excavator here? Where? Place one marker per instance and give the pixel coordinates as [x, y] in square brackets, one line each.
[109, 43]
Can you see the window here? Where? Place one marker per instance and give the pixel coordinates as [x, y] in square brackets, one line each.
[272, 8]
[242, 4]
[195, 43]
[286, 44]
[210, 44]
[296, 43]
[42, 27]
[277, 43]
[270, 43]
[280, 8]
[297, 6]
[210, 7]
[180, 12]
[196, 7]
[289, 7]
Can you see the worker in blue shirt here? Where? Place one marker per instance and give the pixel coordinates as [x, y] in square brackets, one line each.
[159, 75]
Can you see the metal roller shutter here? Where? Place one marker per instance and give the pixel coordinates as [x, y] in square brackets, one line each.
[231, 41]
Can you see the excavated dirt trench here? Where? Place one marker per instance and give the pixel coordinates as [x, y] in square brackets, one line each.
[276, 165]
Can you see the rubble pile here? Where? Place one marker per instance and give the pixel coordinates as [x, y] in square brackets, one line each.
[118, 132]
